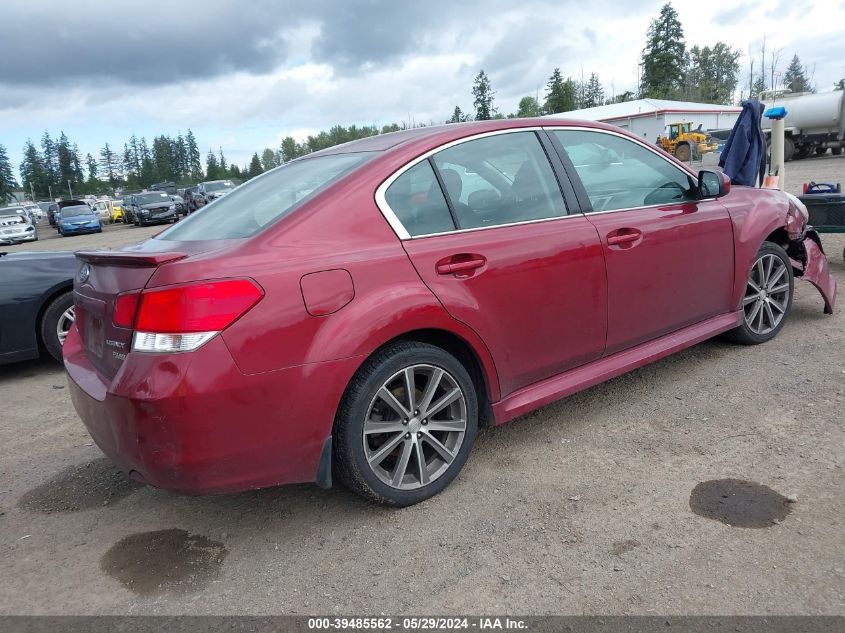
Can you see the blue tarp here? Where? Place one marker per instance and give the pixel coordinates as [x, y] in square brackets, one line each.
[744, 156]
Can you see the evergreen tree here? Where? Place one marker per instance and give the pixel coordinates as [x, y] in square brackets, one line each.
[391, 127]
[212, 167]
[593, 92]
[254, 168]
[8, 184]
[560, 94]
[759, 86]
[664, 56]
[482, 93]
[795, 77]
[458, 116]
[194, 159]
[50, 160]
[528, 107]
[34, 176]
[146, 177]
[223, 166]
[93, 184]
[110, 167]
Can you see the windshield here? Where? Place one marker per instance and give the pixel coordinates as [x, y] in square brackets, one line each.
[152, 198]
[11, 211]
[69, 212]
[217, 186]
[265, 199]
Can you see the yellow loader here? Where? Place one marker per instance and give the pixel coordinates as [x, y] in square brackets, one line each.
[681, 140]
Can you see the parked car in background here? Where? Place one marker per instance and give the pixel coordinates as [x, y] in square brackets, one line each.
[211, 191]
[152, 207]
[181, 207]
[36, 303]
[360, 311]
[77, 219]
[126, 205]
[16, 227]
[52, 211]
[34, 211]
[103, 208]
[190, 196]
[116, 211]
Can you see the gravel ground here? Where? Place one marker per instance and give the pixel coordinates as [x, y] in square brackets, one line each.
[708, 483]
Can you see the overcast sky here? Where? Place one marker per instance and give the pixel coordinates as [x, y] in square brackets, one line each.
[245, 74]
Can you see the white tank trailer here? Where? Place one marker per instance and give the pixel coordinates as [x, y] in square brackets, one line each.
[814, 122]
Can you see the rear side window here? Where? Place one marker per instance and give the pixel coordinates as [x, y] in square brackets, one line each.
[260, 202]
[618, 173]
[500, 179]
[418, 202]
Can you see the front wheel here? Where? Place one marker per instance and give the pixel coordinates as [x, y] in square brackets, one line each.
[406, 424]
[682, 152]
[768, 296]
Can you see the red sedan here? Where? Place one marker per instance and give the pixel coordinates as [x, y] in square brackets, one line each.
[358, 313]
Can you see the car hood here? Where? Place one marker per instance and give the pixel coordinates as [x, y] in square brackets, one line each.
[11, 220]
[219, 192]
[76, 219]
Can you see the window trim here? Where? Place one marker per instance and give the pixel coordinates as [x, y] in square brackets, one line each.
[400, 230]
[581, 192]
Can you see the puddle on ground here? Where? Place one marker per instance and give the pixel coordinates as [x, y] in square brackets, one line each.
[739, 503]
[164, 561]
[623, 547]
[83, 487]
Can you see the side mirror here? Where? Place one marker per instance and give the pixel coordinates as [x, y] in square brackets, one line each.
[713, 184]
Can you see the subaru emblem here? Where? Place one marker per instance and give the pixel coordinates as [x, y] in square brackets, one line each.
[84, 271]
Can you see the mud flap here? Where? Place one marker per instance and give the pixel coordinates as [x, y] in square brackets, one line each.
[813, 267]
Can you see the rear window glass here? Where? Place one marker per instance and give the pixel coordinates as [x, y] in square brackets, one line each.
[418, 202]
[261, 201]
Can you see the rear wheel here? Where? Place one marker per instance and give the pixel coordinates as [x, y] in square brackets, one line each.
[788, 149]
[820, 151]
[406, 424]
[836, 151]
[56, 323]
[768, 296]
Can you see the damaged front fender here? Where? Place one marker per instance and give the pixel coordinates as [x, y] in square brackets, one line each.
[810, 263]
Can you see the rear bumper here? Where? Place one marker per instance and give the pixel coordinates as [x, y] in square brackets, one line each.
[80, 230]
[193, 423]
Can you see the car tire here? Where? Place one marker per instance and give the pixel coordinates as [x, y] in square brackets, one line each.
[406, 442]
[765, 311]
[682, 152]
[836, 151]
[54, 323]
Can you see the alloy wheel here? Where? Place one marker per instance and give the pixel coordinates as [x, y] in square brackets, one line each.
[64, 323]
[415, 426]
[766, 294]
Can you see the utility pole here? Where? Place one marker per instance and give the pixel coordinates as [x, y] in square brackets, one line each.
[50, 191]
[69, 189]
[31, 191]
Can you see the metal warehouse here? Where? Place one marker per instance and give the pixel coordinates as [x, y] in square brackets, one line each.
[648, 118]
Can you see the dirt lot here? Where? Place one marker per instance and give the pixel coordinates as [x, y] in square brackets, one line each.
[611, 501]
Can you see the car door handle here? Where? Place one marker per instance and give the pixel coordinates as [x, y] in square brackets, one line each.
[463, 263]
[623, 236]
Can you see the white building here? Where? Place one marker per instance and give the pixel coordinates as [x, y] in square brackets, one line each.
[648, 118]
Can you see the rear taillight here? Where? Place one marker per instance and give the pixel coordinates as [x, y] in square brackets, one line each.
[181, 318]
[125, 306]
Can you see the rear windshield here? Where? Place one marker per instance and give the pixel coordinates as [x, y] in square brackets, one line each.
[265, 199]
[69, 212]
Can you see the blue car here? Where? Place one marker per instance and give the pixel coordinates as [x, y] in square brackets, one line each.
[77, 219]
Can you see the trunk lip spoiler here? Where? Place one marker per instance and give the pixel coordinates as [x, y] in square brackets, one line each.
[140, 260]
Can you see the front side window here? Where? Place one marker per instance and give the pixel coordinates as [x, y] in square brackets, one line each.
[618, 173]
[262, 201]
[418, 203]
[500, 179]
